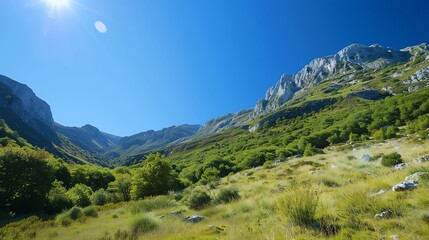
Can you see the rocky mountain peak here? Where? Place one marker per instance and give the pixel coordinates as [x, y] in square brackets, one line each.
[354, 56]
[23, 102]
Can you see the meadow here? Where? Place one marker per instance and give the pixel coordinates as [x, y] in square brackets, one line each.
[326, 196]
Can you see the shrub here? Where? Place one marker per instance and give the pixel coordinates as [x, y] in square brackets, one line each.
[150, 204]
[57, 198]
[425, 218]
[227, 195]
[143, 224]
[298, 205]
[100, 197]
[90, 212]
[80, 195]
[391, 159]
[74, 213]
[197, 198]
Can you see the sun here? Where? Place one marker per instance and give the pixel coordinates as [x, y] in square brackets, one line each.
[58, 4]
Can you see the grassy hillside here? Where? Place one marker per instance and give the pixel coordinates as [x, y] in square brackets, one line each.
[338, 184]
[294, 173]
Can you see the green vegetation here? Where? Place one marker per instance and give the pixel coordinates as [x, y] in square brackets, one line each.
[227, 195]
[197, 198]
[300, 175]
[391, 160]
[298, 205]
[143, 224]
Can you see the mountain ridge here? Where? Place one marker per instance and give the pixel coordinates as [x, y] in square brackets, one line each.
[355, 56]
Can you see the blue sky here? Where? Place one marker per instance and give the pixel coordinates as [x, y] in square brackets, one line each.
[164, 63]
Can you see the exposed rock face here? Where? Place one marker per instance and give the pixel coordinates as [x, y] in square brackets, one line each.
[224, 122]
[355, 56]
[24, 103]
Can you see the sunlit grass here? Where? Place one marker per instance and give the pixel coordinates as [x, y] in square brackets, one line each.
[345, 208]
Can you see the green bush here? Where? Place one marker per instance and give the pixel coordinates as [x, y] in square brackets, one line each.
[425, 218]
[227, 195]
[57, 199]
[150, 204]
[90, 212]
[391, 160]
[298, 205]
[80, 194]
[143, 224]
[74, 213]
[100, 197]
[197, 198]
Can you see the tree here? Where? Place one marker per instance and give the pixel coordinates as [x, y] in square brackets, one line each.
[25, 179]
[156, 177]
[100, 197]
[57, 198]
[122, 186]
[80, 195]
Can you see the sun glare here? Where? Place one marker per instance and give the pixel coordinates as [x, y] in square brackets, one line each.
[58, 4]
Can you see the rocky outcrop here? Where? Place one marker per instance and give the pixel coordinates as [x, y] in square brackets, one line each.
[405, 185]
[355, 56]
[225, 122]
[25, 104]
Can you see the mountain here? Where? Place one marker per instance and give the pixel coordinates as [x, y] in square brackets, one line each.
[31, 118]
[367, 72]
[354, 58]
[89, 138]
[129, 147]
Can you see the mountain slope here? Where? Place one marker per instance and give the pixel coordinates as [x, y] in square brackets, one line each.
[89, 138]
[148, 141]
[353, 58]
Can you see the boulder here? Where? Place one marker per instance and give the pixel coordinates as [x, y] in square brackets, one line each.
[194, 218]
[383, 214]
[366, 157]
[416, 176]
[421, 159]
[401, 166]
[406, 185]
[278, 162]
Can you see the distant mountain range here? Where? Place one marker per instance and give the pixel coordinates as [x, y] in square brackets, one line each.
[31, 117]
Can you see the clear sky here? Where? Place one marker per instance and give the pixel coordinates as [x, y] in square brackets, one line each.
[160, 63]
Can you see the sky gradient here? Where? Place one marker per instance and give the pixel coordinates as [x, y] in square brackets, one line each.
[161, 63]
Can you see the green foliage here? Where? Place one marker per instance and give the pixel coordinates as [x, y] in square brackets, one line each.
[196, 198]
[75, 213]
[309, 150]
[122, 186]
[150, 204]
[90, 212]
[227, 195]
[25, 179]
[209, 175]
[143, 224]
[100, 197]
[298, 205]
[57, 198]
[156, 177]
[391, 159]
[254, 159]
[94, 177]
[80, 195]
